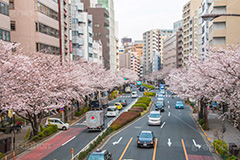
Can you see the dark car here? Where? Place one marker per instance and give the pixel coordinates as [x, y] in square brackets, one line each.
[159, 105]
[100, 155]
[123, 102]
[146, 139]
[141, 88]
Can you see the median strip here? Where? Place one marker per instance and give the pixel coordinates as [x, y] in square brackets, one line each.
[126, 149]
[184, 149]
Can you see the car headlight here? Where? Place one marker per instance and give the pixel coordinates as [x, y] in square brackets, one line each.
[152, 142]
[138, 141]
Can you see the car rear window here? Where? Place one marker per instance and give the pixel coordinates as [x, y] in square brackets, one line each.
[145, 135]
[96, 157]
[154, 115]
[111, 109]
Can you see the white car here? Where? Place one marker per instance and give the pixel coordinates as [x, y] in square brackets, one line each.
[160, 99]
[58, 122]
[134, 94]
[154, 118]
[112, 111]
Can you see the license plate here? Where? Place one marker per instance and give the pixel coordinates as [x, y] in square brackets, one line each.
[144, 144]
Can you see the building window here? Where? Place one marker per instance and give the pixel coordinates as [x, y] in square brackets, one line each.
[47, 30]
[4, 9]
[13, 26]
[96, 25]
[40, 47]
[4, 35]
[219, 10]
[47, 11]
[219, 25]
[11, 4]
[219, 41]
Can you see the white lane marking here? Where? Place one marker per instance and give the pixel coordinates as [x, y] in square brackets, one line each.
[169, 142]
[114, 143]
[169, 114]
[168, 106]
[196, 145]
[167, 101]
[163, 124]
[68, 140]
[137, 127]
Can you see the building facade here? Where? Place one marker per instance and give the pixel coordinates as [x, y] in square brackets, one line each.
[5, 20]
[169, 52]
[97, 52]
[179, 48]
[156, 62]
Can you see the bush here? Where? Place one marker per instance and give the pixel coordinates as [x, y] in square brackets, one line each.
[200, 121]
[1, 155]
[26, 137]
[134, 110]
[145, 99]
[148, 86]
[78, 114]
[223, 151]
[204, 126]
[150, 94]
[123, 119]
[140, 108]
[54, 128]
[144, 106]
[194, 110]
[41, 135]
[44, 133]
[141, 101]
[41, 127]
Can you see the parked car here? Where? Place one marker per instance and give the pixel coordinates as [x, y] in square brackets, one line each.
[179, 105]
[112, 111]
[154, 118]
[159, 105]
[56, 121]
[146, 139]
[134, 94]
[123, 102]
[118, 105]
[100, 155]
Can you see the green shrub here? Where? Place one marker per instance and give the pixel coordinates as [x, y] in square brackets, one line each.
[141, 101]
[148, 86]
[223, 151]
[150, 94]
[145, 99]
[232, 158]
[144, 106]
[41, 135]
[35, 138]
[204, 126]
[194, 110]
[41, 127]
[54, 128]
[26, 137]
[48, 131]
[1, 155]
[140, 108]
[200, 121]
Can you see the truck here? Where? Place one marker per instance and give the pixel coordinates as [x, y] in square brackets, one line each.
[95, 120]
[99, 104]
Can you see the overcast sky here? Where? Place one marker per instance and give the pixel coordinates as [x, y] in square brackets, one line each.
[138, 16]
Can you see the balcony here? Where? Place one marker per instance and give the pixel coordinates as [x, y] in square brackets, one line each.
[90, 50]
[80, 17]
[80, 6]
[90, 40]
[90, 29]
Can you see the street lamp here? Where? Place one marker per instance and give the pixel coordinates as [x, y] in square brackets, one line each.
[13, 130]
[213, 16]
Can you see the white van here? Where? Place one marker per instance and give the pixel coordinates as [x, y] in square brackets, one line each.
[58, 122]
[134, 94]
[112, 111]
[154, 118]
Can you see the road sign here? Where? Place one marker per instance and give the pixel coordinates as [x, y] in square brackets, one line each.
[62, 109]
[162, 86]
[214, 104]
[139, 82]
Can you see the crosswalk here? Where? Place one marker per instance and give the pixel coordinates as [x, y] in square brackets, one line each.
[127, 96]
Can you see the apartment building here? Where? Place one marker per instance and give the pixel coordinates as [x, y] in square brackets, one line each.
[138, 47]
[153, 43]
[170, 52]
[5, 20]
[189, 11]
[35, 24]
[179, 48]
[156, 62]
[117, 47]
[224, 30]
[97, 52]
[130, 60]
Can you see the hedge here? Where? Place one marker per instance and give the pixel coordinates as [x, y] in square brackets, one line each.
[45, 132]
[145, 99]
[223, 151]
[140, 108]
[141, 101]
[148, 86]
[144, 106]
[123, 119]
[1, 155]
[150, 94]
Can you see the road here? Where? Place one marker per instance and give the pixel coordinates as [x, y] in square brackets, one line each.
[178, 137]
[77, 137]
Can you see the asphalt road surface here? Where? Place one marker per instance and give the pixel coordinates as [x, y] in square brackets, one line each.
[177, 137]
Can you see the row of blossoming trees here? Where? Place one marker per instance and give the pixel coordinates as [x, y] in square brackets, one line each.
[216, 79]
[34, 84]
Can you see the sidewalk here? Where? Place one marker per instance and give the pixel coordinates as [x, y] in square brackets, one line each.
[232, 135]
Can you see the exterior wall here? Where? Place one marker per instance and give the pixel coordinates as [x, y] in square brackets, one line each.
[230, 33]
[25, 14]
[97, 52]
[138, 48]
[101, 31]
[177, 25]
[179, 48]
[5, 22]
[169, 52]
[156, 62]
[124, 60]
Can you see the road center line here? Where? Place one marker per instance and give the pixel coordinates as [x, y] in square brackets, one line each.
[126, 149]
[163, 124]
[169, 114]
[168, 106]
[155, 149]
[68, 140]
[184, 149]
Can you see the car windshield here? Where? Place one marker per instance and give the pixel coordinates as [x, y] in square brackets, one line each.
[117, 104]
[134, 93]
[95, 157]
[154, 115]
[110, 109]
[145, 135]
[159, 104]
[179, 102]
[122, 101]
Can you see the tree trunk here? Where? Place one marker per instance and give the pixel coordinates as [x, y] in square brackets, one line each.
[200, 113]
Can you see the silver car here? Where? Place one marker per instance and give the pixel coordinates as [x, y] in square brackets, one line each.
[154, 118]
